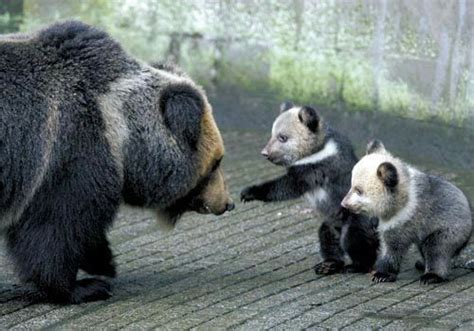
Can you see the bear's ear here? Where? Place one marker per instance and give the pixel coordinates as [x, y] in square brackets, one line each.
[375, 146]
[309, 117]
[388, 174]
[182, 107]
[286, 105]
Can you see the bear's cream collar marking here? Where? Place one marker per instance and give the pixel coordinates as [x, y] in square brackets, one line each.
[404, 215]
[330, 149]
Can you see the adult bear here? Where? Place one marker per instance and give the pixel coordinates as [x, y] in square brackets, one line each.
[83, 128]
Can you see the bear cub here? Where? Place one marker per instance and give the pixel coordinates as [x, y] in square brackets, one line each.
[413, 208]
[319, 161]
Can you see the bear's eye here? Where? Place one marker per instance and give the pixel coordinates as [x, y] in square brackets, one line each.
[358, 190]
[216, 165]
[282, 138]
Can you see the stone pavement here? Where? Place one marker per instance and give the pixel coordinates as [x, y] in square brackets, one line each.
[249, 269]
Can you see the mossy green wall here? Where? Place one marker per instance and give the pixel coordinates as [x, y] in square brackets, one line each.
[414, 58]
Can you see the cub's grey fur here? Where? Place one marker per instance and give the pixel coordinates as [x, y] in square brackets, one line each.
[413, 208]
[83, 128]
[319, 162]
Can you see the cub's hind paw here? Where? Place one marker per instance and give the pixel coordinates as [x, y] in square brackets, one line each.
[328, 267]
[382, 277]
[90, 289]
[431, 278]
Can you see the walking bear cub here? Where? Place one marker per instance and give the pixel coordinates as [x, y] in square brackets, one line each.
[83, 128]
[319, 161]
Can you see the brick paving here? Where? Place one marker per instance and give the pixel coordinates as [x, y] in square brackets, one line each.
[249, 269]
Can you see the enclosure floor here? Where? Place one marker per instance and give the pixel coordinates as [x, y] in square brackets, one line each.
[249, 269]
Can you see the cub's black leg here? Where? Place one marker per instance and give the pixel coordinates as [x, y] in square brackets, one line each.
[331, 251]
[98, 259]
[387, 267]
[283, 188]
[393, 248]
[360, 241]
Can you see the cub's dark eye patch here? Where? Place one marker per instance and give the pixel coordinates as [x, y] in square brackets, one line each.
[282, 138]
[358, 190]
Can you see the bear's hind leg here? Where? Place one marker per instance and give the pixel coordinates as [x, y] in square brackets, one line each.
[68, 215]
[48, 257]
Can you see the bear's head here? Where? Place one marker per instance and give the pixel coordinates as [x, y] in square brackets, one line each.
[193, 125]
[378, 185]
[297, 132]
[211, 194]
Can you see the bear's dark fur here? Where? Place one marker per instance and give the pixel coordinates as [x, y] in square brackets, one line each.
[84, 127]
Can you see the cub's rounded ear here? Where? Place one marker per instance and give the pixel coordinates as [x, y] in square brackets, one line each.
[388, 174]
[309, 117]
[375, 146]
[284, 106]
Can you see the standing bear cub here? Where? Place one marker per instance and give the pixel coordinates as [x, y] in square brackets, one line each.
[319, 161]
[83, 128]
[413, 208]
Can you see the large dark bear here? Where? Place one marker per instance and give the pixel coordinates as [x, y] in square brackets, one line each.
[83, 128]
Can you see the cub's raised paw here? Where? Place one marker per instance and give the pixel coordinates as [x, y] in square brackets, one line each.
[248, 194]
[328, 267]
[382, 277]
[431, 278]
[90, 289]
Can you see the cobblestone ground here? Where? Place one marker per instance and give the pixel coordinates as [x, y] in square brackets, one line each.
[249, 269]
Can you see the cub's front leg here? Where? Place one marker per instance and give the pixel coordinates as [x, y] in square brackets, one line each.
[386, 270]
[387, 267]
[297, 181]
[286, 187]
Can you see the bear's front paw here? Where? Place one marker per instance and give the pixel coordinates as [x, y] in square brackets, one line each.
[431, 278]
[382, 277]
[328, 267]
[248, 194]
